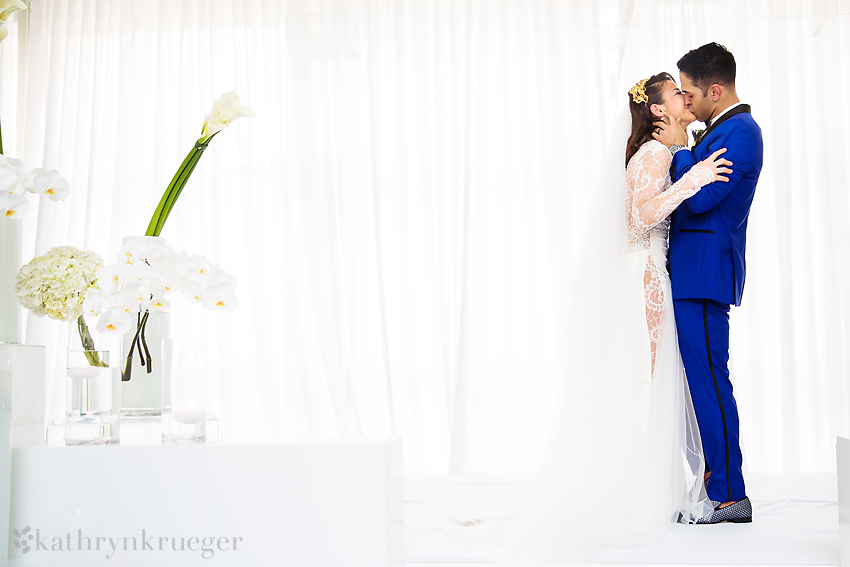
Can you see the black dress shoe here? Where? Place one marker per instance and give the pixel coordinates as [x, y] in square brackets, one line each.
[740, 512]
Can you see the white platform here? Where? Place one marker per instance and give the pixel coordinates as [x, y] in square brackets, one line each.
[843, 462]
[28, 398]
[795, 522]
[334, 503]
[7, 362]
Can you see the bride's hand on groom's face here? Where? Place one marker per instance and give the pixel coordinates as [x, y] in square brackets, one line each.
[669, 131]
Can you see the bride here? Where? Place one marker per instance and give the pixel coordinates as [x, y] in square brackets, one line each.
[623, 459]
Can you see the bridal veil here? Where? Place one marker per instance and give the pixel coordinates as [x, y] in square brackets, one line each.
[623, 458]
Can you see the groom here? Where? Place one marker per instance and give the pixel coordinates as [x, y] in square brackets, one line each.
[707, 241]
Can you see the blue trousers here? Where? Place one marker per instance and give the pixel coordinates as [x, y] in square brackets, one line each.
[703, 328]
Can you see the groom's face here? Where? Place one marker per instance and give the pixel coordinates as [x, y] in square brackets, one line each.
[701, 105]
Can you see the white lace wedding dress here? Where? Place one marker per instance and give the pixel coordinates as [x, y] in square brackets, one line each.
[623, 459]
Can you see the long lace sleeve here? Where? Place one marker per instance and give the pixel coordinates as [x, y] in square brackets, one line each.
[649, 204]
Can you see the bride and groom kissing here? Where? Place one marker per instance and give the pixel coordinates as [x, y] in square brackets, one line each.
[707, 239]
[646, 433]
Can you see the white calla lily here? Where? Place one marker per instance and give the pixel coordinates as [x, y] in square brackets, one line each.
[9, 7]
[224, 111]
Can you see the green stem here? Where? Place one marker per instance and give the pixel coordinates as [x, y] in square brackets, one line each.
[145, 343]
[141, 333]
[177, 188]
[174, 188]
[1, 142]
[151, 231]
[88, 343]
[128, 366]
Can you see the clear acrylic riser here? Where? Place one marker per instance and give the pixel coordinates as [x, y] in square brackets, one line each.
[92, 399]
[148, 431]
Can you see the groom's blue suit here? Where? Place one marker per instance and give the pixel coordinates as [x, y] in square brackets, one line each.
[707, 269]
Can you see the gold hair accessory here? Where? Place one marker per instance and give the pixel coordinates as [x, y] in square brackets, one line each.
[638, 91]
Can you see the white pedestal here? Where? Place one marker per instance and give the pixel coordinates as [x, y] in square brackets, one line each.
[28, 396]
[843, 449]
[333, 503]
[7, 363]
[11, 238]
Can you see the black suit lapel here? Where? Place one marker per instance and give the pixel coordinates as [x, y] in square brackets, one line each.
[737, 110]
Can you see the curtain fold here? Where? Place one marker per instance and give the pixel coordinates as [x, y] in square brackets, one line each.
[404, 213]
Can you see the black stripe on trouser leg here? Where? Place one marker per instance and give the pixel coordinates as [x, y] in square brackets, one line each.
[719, 399]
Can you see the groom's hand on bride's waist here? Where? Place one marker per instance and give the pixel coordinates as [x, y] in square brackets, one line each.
[669, 131]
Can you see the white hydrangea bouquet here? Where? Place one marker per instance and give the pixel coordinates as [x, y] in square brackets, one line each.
[57, 284]
[144, 279]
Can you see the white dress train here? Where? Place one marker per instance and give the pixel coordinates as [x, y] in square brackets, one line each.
[623, 460]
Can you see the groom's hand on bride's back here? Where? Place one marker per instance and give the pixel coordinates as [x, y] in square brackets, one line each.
[670, 132]
[741, 145]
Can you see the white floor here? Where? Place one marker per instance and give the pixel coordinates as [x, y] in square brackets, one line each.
[795, 522]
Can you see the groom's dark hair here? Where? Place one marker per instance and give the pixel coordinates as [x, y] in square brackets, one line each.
[708, 65]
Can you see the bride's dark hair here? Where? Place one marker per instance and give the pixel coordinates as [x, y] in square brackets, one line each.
[642, 117]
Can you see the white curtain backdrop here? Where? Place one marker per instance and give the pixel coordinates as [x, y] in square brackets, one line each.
[404, 212]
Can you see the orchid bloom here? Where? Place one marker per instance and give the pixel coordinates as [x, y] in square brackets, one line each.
[132, 298]
[13, 206]
[48, 183]
[159, 303]
[108, 278]
[192, 291]
[93, 305]
[219, 298]
[12, 175]
[114, 321]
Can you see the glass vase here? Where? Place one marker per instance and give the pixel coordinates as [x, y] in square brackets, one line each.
[142, 383]
[187, 394]
[92, 389]
[11, 234]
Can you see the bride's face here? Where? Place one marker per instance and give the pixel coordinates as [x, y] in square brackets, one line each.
[674, 104]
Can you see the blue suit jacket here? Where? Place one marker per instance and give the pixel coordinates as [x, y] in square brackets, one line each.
[708, 234]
